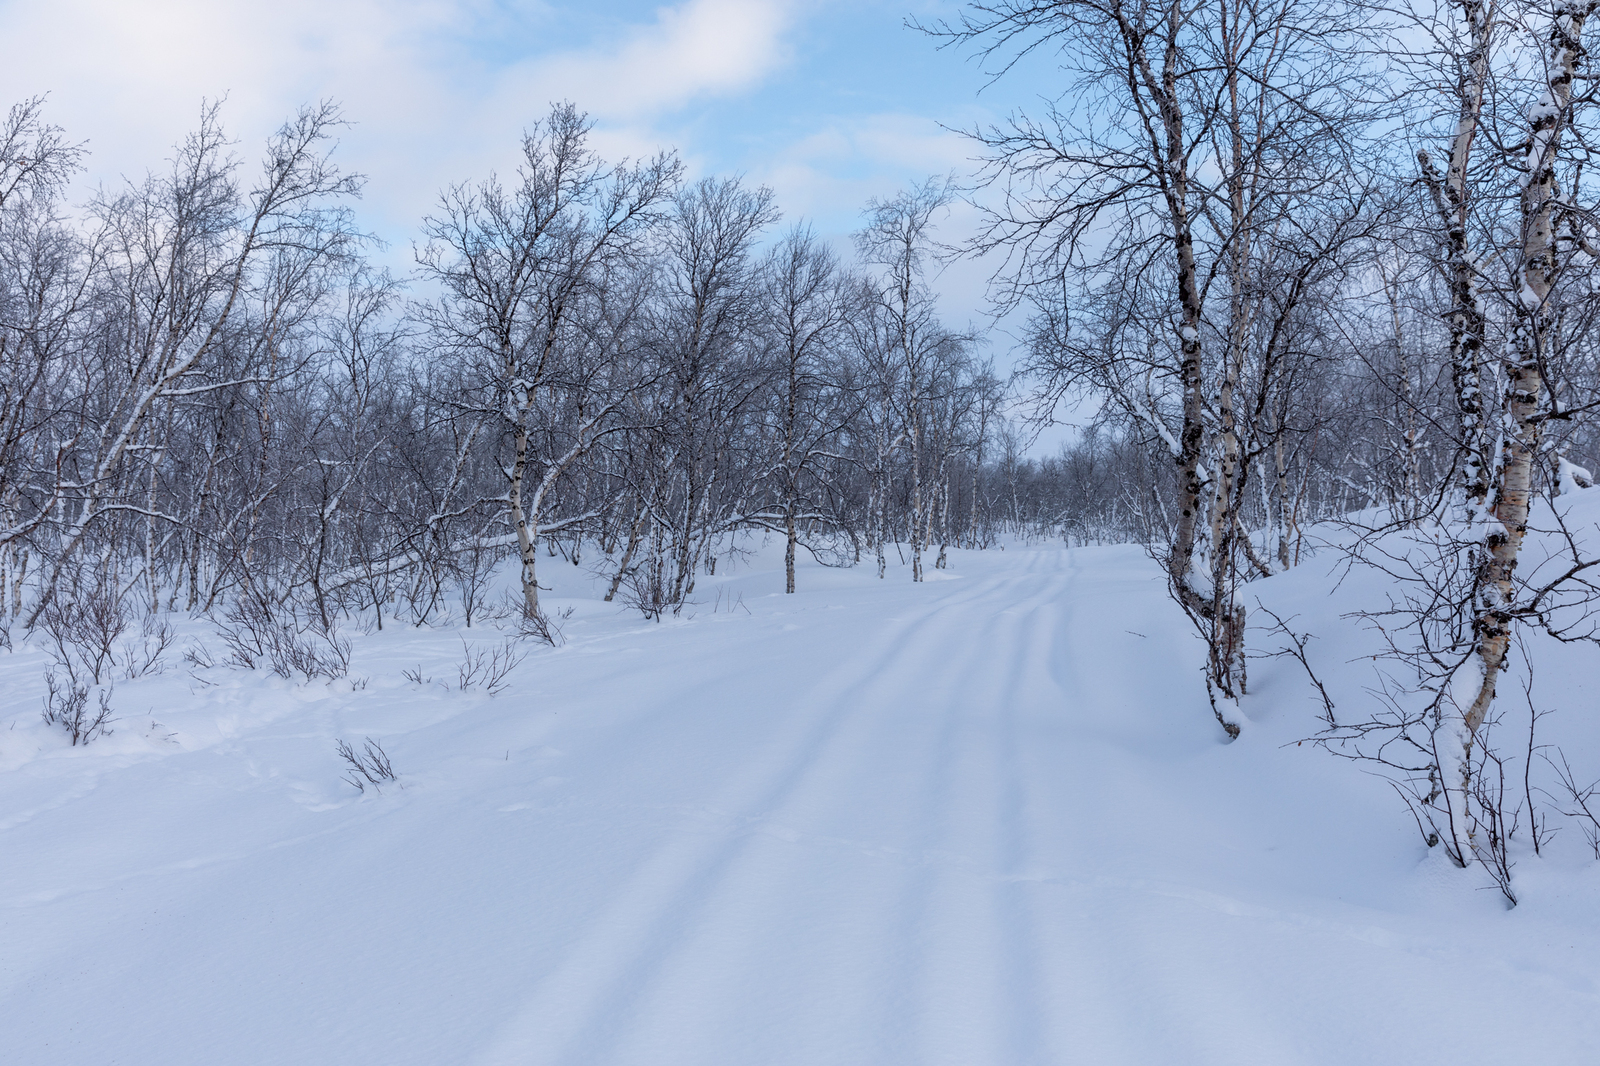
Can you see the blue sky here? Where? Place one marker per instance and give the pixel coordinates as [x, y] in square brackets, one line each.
[829, 102]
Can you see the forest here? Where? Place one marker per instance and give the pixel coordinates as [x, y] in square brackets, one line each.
[1307, 277]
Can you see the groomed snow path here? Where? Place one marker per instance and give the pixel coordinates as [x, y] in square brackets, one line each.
[988, 820]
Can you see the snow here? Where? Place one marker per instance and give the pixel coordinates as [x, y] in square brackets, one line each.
[1571, 478]
[1525, 292]
[987, 819]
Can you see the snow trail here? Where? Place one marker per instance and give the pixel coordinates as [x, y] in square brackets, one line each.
[982, 820]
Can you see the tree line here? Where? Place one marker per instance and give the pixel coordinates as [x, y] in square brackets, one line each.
[211, 396]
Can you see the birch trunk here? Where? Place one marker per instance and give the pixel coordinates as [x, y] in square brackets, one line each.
[1409, 502]
[1452, 196]
[1173, 176]
[1535, 279]
[635, 535]
[526, 549]
[1282, 510]
[916, 498]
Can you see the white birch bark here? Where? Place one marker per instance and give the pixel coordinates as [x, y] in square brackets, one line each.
[1452, 197]
[1534, 281]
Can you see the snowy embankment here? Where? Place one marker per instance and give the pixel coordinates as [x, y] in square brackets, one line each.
[989, 819]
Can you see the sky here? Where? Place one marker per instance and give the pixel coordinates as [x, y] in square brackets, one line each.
[830, 102]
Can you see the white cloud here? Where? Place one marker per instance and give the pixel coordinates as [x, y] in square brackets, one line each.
[130, 77]
[829, 175]
[698, 48]
[440, 90]
[837, 167]
[439, 93]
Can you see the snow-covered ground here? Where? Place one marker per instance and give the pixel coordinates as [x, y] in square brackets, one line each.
[984, 820]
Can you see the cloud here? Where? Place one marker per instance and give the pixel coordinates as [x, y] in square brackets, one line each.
[130, 77]
[439, 90]
[831, 172]
[699, 48]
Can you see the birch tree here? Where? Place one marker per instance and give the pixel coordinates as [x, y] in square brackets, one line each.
[1183, 134]
[1536, 271]
[806, 302]
[44, 296]
[897, 240]
[707, 325]
[190, 255]
[515, 264]
[1466, 41]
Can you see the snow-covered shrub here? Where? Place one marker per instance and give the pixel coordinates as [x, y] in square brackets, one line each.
[66, 705]
[369, 766]
[82, 628]
[143, 654]
[260, 632]
[472, 570]
[487, 668]
[544, 628]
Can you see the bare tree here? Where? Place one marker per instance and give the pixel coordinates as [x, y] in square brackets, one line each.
[806, 304]
[44, 286]
[712, 364]
[897, 240]
[1536, 272]
[187, 259]
[516, 266]
[1184, 136]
